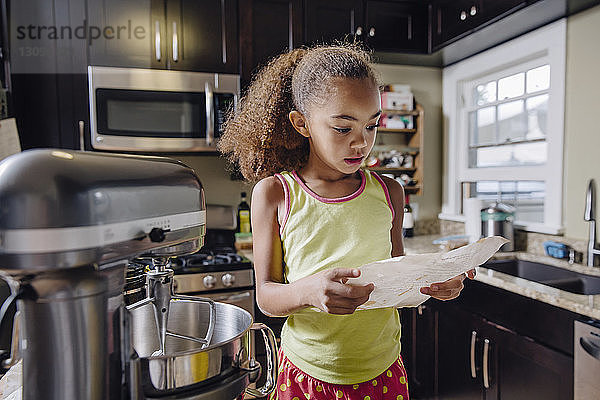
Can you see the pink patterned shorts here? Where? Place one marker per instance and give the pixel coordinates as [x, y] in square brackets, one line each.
[293, 384]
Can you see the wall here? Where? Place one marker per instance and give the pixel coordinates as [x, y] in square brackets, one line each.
[218, 186]
[582, 113]
[426, 85]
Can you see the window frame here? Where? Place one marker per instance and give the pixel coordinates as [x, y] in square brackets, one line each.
[546, 45]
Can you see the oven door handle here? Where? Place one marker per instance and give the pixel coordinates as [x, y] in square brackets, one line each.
[235, 297]
[210, 114]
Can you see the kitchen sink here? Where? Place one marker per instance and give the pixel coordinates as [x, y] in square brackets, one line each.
[559, 278]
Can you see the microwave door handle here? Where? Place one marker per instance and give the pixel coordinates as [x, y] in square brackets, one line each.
[210, 114]
[157, 40]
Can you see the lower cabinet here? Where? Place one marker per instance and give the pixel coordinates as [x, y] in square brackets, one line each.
[453, 353]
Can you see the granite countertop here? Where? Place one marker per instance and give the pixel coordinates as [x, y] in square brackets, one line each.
[582, 304]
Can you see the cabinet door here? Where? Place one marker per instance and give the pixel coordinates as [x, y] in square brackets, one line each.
[453, 19]
[529, 370]
[329, 20]
[459, 354]
[397, 26]
[492, 10]
[202, 35]
[131, 33]
[419, 347]
[267, 28]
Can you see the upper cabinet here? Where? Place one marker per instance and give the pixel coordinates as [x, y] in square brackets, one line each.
[453, 19]
[173, 34]
[202, 35]
[331, 20]
[267, 28]
[381, 25]
[396, 26]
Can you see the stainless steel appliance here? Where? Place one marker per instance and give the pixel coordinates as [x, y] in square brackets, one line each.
[151, 110]
[70, 222]
[497, 220]
[587, 360]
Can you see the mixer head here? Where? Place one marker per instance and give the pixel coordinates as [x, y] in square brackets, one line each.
[63, 209]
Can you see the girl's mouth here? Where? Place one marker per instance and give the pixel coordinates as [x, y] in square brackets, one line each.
[354, 160]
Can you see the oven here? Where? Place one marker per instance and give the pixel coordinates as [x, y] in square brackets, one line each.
[152, 110]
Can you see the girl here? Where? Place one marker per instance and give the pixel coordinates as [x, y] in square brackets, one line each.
[303, 129]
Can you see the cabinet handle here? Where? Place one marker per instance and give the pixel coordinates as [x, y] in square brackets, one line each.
[420, 309]
[81, 136]
[372, 32]
[486, 351]
[473, 10]
[359, 31]
[473, 340]
[463, 15]
[175, 43]
[157, 40]
[210, 114]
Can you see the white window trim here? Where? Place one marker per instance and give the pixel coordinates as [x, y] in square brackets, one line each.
[547, 43]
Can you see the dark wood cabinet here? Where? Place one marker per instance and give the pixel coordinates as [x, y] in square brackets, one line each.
[130, 30]
[331, 20]
[459, 355]
[419, 348]
[479, 359]
[399, 26]
[267, 28]
[452, 20]
[174, 34]
[381, 25]
[202, 35]
[487, 350]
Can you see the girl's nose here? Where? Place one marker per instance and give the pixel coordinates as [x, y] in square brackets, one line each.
[360, 141]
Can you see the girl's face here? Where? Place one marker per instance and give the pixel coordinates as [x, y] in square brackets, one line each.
[342, 127]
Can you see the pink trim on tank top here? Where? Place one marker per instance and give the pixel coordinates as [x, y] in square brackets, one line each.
[322, 199]
[286, 191]
[386, 191]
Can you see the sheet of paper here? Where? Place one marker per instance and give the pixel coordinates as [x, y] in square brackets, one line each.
[398, 280]
[9, 138]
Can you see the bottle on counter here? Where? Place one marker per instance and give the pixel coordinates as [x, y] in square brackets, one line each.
[408, 223]
[243, 216]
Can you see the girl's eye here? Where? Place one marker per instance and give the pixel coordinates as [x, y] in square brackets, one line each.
[342, 130]
[372, 127]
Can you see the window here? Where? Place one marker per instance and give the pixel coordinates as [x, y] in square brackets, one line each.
[505, 111]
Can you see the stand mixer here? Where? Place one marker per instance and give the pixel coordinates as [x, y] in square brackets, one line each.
[69, 224]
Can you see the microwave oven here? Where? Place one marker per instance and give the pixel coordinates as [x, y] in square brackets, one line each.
[151, 110]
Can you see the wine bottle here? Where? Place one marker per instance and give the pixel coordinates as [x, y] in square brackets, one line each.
[243, 216]
[408, 223]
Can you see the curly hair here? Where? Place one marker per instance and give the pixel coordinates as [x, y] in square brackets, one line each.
[259, 137]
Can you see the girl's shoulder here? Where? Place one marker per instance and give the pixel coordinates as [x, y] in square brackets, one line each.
[268, 191]
[395, 190]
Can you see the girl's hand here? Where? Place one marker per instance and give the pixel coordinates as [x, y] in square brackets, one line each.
[450, 289]
[331, 294]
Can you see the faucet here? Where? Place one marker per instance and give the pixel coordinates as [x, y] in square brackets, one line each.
[590, 215]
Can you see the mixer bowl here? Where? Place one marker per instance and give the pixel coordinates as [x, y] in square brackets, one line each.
[188, 365]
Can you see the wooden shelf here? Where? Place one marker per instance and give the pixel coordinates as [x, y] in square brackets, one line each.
[393, 130]
[401, 112]
[412, 189]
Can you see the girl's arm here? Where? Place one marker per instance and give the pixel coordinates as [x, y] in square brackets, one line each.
[447, 290]
[325, 290]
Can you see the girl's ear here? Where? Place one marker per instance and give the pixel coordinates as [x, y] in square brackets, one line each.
[299, 123]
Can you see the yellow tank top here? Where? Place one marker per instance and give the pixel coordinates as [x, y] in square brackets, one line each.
[318, 234]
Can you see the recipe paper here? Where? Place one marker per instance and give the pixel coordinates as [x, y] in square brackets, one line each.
[398, 280]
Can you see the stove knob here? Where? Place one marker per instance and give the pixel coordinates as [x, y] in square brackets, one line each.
[209, 281]
[228, 280]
